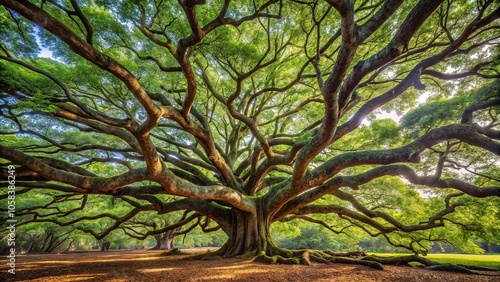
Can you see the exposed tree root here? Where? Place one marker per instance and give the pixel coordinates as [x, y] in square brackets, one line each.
[306, 257]
[309, 256]
[355, 254]
[211, 258]
[247, 255]
[274, 255]
[428, 264]
[276, 259]
[207, 256]
[480, 268]
[452, 268]
[174, 252]
[372, 264]
[399, 260]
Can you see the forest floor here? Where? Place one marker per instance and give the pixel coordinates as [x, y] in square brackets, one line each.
[143, 265]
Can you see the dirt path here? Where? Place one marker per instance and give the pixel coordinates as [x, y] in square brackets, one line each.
[149, 266]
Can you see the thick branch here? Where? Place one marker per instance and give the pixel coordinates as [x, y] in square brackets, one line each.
[90, 183]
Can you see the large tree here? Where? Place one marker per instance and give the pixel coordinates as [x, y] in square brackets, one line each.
[253, 112]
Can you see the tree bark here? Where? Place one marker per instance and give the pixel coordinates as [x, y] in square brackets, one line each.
[165, 241]
[249, 235]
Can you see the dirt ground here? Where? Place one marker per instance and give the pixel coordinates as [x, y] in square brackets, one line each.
[144, 265]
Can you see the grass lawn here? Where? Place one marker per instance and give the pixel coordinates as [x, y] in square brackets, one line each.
[491, 261]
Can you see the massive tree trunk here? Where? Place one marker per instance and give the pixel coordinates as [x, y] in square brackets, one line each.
[168, 240]
[105, 245]
[165, 241]
[249, 234]
[278, 144]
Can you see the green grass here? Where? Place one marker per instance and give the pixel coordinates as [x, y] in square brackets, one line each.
[491, 261]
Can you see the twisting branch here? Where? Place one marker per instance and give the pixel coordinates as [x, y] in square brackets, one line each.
[469, 111]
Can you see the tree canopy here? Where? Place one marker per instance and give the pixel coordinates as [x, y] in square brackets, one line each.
[235, 115]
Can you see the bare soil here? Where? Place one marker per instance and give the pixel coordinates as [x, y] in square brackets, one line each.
[142, 265]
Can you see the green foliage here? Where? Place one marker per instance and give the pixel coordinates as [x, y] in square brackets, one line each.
[260, 82]
[37, 102]
[490, 261]
[197, 238]
[444, 111]
[311, 237]
[379, 245]
[434, 113]
[22, 42]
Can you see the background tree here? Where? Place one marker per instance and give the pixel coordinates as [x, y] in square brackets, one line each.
[164, 229]
[255, 112]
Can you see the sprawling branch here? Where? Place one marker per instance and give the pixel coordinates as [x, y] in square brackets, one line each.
[91, 183]
[337, 94]
[164, 229]
[246, 115]
[472, 134]
[101, 60]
